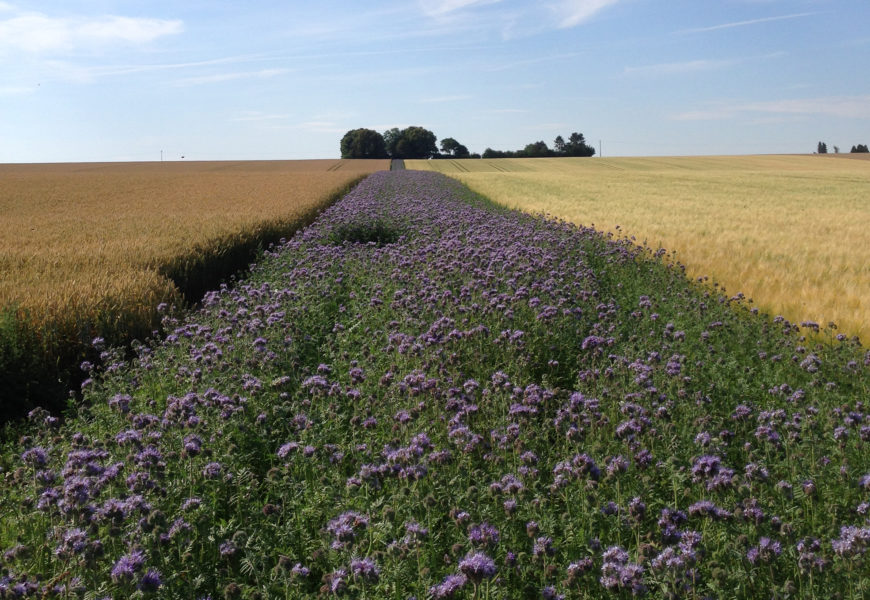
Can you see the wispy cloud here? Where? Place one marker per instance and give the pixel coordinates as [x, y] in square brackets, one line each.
[747, 23]
[221, 77]
[35, 32]
[320, 127]
[16, 90]
[252, 115]
[65, 70]
[676, 68]
[850, 107]
[510, 19]
[532, 61]
[444, 99]
[444, 7]
[697, 66]
[571, 13]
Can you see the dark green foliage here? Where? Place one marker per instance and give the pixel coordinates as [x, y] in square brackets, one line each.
[377, 232]
[411, 142]
[575, 146]
[29, 377]
[363, 143]
[451, 147]
[860, 148]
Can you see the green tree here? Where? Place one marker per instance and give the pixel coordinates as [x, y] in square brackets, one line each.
[860, 148]
[559, 145]
[391, 140]
[536, 149]
[453, 148]
[577, 146]
[363, 143]
[822, 148]
[411, 142]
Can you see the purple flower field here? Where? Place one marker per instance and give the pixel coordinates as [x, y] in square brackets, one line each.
[423, 395]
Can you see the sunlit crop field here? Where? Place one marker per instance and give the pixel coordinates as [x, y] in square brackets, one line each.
[92, 249]
[790, 232]
[79, 237]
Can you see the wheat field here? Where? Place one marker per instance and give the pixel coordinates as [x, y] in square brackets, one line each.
[96, 242]
[790, 232]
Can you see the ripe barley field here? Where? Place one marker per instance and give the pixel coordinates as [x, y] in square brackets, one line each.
[790, 232]
[91, 249]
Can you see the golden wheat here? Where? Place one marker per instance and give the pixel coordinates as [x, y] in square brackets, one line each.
[81, 243]
[791, 232]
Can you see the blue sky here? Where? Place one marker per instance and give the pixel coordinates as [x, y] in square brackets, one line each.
[104, 80]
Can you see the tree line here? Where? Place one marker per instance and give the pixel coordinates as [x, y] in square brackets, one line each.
[419, 142]
[822, 148]
[410, 142]
[575, 146]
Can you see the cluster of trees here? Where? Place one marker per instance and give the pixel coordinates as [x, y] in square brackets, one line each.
[418, 142]
[822, 148]
[411, 142]
[575, 146]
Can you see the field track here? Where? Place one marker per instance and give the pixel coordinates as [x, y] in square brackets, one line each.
[791, 232]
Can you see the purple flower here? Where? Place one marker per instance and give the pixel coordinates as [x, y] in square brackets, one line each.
[36, 457]
[483, 535]
[416, 530]
[853, 541]
[74, 542]
[764, 552]
[121, 402]
[127, 566]
[337, 580]
[285, 449]
[549, 593]
[706, 508]
[228, 549]
[150, 580]
[212, 470]
[365, 569]
[448, 586]
[618, 573]
[477, 567]
[809, 557]
[345, 527]
[543, 546]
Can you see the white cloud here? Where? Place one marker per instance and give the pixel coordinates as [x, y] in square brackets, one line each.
[571, 13]
[849, 107]
[39, 33]
[749, 22]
